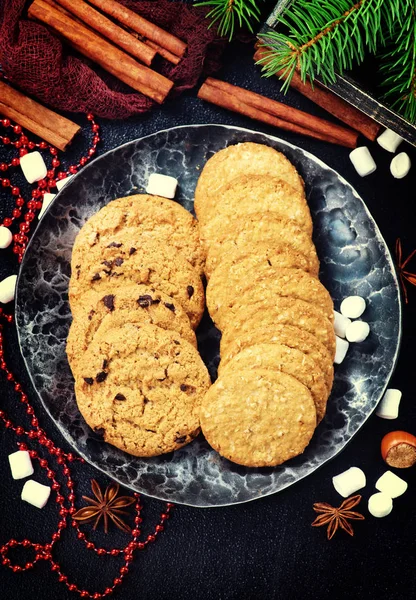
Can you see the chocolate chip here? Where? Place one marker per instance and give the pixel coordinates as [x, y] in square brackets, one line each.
[145, 301]
[181, 439]
[96, 277]
[118, 261]
[145, 400]
[91, 314]
[89, 380]
[177, 342]
[132, 251]
[77, 266]
[114, 245]
[100, 377]
[170, 306]
[119, 397]
[270, 264]
[105, 363]
[109, 301]
[99, 431]
[107, 263]
[190, 291]
[187, 388]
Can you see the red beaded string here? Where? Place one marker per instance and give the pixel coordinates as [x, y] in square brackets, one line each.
[44, 551]
[23, 145]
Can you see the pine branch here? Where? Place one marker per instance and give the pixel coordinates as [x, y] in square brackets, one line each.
[398, 64]
[229, 14]
[327, 36]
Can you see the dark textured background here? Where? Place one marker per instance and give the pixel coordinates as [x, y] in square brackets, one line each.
[264, 549]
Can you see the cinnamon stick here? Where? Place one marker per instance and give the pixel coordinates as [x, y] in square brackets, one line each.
[110, 30]
[163, 52]
[293, 115]
[149, 30]
[327, 100]
[38, 119]
[110, 58]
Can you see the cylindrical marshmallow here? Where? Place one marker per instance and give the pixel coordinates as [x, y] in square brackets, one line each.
[391, 485]
[35, 493]
[6, 237]
[162, 185]
[389, 404]
[380, 505]
[400, 165]
[349, 481]
[363, 161]
[60, 183]
[33, 166]
[340, 324]
[20, 464]
[47, 199]
[389, 140]
[8, 289]
[352, 307]
[357, 331]
[341, 350]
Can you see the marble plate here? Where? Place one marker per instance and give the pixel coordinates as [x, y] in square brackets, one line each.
[354, 258]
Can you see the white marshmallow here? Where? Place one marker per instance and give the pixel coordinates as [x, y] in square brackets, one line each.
[340, 350]
[20, 464]
[47, 199]
[357, 331]
[391, 485]
[352, 307]
[389, 140]
[60, 183]
[349, 481]
[400, 165]
[340, 323]
[8, 289]
[389, 404]
[35, 493]
[33, 166]
[380, 505]
[162, 185]
[362, 161]
[6, 237]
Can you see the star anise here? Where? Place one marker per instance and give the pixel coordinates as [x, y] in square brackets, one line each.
[107, 505]
[337, 517]
[404, 275]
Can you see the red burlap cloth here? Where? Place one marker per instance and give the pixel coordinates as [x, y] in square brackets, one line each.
[38, 62]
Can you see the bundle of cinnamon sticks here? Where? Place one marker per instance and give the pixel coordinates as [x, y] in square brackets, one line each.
[125, 49]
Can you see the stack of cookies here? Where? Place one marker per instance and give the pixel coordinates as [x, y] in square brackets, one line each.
[136, 297]
[263, 293]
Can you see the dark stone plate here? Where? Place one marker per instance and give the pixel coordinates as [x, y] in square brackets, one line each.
[354, 259]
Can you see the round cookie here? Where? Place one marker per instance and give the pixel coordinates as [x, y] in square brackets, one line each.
[279, 254]
[141, 389]
[246, 158]
[258, 418]
[249, 194]
[288, 335]
[281, 311]
[135, 221]
[259, 227]
[129, 304]
[230, 289]
[152, 264]
[277, 357]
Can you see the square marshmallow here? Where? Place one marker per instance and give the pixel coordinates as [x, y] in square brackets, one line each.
[62, 182]
[20, 464]
[35, 493]
[162, 185]
[33, 166]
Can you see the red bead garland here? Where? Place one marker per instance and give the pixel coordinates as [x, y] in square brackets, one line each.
[44, 551]
[23, 144]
